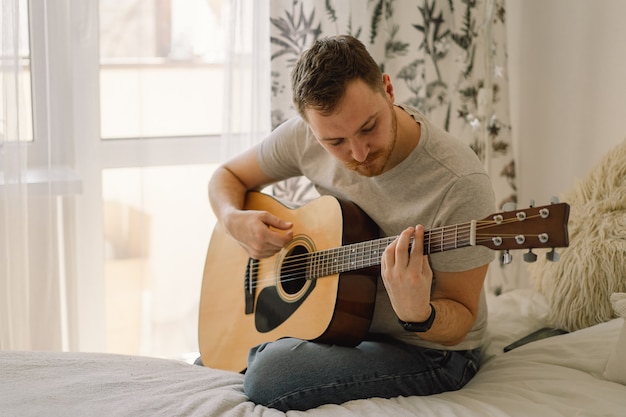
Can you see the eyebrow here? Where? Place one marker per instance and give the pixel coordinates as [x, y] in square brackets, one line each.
[369, 119]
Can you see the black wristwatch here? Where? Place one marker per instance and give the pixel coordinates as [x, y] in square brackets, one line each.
[421, 326]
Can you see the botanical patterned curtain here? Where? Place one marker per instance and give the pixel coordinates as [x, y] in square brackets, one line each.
[445, 57]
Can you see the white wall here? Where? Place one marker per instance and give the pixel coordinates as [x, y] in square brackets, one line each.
[567, 70]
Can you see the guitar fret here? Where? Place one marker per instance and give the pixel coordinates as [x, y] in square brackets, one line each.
[373, 252]
[365, 254]
[319, 264]
[330, 267]
[441, 241]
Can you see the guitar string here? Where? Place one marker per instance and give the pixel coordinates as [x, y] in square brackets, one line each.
[285, 278]
[359, 259]
[448, 241]
[295, 276]
[376, 243]
[363, 256]
[291, 276]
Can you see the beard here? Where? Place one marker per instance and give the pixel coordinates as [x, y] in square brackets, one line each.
[376, 162]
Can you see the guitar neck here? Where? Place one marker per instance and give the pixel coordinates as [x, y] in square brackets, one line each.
[366, 254]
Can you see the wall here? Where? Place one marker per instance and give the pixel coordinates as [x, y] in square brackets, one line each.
[567, 69]
[567, 62]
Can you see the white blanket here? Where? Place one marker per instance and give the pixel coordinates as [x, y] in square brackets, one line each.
[559, 376]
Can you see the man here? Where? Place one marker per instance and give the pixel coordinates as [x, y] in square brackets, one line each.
[354, 143]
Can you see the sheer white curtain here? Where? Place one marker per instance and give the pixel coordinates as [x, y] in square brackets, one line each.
[14, 299]
[247, 89]
[35, 250]
[52, 243]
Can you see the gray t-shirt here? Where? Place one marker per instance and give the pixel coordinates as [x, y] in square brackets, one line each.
[441, 182]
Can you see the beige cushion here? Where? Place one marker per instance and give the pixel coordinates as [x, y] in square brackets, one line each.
[616, 366]
[579, 286]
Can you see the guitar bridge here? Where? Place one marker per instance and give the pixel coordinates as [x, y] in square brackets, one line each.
[249, 285]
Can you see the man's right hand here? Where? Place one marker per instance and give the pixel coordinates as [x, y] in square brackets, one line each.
[260, 233]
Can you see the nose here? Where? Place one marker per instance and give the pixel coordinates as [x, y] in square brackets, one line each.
[360, 150]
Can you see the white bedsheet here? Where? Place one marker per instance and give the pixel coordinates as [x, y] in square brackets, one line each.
[559, 376]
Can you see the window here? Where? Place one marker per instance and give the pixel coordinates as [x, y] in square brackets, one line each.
[15, 78]
[156, 233]
[160, 68]
[123, 150]
[161, 78]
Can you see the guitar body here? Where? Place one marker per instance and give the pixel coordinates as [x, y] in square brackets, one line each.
[322, 285]
[247, 302]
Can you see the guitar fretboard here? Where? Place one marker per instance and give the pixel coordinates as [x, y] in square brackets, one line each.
[365, 254]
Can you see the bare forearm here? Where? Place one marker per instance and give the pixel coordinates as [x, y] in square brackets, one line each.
[260, 232]
[456, 297]
[231, 181]
[226, 192]
[452, 323]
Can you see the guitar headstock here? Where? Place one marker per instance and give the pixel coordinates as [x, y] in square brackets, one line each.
[530, 228]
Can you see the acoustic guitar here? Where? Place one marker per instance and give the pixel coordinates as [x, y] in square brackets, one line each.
[322, 285]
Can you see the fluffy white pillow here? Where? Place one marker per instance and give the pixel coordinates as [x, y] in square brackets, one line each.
[616, 366]
[593, 267]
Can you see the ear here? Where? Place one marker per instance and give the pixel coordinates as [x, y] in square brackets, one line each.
[388, 86]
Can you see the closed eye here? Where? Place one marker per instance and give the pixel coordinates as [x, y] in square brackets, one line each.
[336, 142]
[369, 129]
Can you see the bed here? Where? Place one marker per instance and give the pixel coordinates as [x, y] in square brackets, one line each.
[562, 375]
[579, 373]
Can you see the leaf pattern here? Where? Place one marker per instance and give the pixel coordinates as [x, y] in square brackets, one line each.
[435, 51]
[296, 31]
[330, 10]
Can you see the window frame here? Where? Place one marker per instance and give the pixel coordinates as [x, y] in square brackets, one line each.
[65, 65]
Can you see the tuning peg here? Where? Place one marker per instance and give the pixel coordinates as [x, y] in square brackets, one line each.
[553, 255]
[510, 206]
[505, 258]
[554, 200]
[532, 203]
[530, 256]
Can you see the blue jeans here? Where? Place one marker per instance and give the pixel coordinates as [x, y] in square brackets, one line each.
[291, 374]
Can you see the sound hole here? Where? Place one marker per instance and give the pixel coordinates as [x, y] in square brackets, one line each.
[293, 270]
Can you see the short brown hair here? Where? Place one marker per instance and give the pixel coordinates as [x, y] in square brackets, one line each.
[322, 73]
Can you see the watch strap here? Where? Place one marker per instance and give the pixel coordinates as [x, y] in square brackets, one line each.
[420, 326]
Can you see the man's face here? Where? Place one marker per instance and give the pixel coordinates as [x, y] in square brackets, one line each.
[361, 132]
